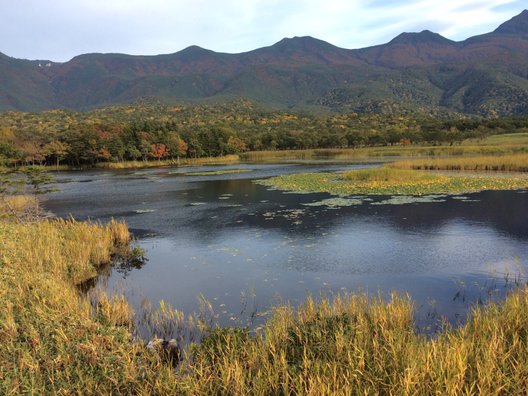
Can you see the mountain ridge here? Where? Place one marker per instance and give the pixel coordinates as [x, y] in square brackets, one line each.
[414, 72]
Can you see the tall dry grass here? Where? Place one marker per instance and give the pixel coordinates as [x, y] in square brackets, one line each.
[172, 162]
[362, 153]
[18, 207]
[51, 340]
[357, 345]
[506, 163]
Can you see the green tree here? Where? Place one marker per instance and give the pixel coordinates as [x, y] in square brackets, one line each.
[57, 150]
[9, 185]
[40, 182]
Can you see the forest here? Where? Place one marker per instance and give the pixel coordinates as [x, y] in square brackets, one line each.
[146, 131]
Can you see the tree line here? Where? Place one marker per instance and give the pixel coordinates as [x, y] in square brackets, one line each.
[55, 138]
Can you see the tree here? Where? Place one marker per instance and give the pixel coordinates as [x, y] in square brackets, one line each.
[133, 152]
[176, 146]
[104, 154]
[145, 148]
[9, 154]
[181, 149]
[195, 148]
[159, 151]
[57, 150]
[9, 186]
[39, 181]
[236, 145]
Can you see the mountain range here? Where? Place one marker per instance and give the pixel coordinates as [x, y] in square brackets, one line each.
[421, 72]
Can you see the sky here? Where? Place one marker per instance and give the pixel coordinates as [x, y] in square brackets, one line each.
[58, 30]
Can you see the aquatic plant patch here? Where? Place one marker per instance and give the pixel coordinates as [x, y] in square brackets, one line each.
[336, 202]
[385, 181]
[217, 172]
[408, 199]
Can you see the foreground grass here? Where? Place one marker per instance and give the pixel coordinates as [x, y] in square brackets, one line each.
[505, 163]
[54, 340]
[357, 345]
[388, 181]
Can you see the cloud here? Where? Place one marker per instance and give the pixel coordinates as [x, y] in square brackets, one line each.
[61, 29]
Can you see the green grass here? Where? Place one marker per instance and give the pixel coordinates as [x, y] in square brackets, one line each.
[382, 181]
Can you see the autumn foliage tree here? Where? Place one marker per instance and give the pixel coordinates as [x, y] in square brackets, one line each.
[159, 151]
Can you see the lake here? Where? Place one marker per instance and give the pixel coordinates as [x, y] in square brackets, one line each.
[246, 248]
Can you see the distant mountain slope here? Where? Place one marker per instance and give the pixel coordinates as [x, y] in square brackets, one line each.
[415, 72]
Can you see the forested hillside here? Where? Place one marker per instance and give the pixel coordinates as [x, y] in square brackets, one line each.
[415, 73]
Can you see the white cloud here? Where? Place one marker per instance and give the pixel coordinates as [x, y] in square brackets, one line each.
[61, 29]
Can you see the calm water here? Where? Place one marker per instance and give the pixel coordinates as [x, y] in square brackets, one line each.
[245, 247]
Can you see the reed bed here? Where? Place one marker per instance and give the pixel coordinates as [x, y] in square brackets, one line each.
[351, 154]
[503, 163]
[226, 159]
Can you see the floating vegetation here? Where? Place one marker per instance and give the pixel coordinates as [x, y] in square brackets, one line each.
[408, 199]
[336, 202]
[140, 211]
[217, 172]
[385, 181]
[289, 214]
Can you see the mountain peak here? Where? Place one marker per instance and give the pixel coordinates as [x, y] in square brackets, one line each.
[517, 25]
[193, 52]
[425, 36]
[302, 43]
[193, 49]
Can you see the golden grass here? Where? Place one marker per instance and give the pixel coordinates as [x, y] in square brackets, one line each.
[506, 163]
[226, 159]
[357, 345]
[13, 206]
[349, 154]
[120, 233]
[60, 247]
[52, 341]
[55, 340]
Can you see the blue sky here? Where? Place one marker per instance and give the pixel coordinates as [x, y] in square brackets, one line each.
[61, 29]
